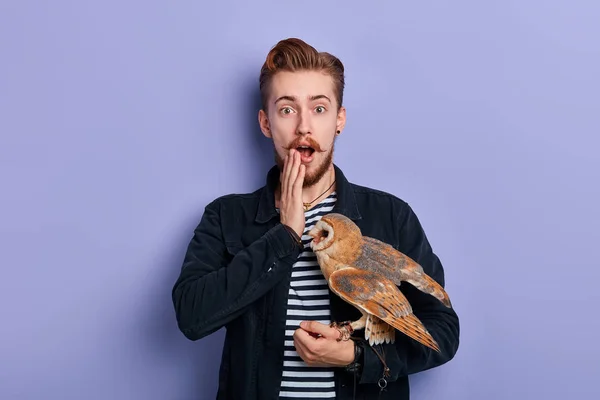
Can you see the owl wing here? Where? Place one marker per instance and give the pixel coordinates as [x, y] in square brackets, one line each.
[380, 257]
[377, 295]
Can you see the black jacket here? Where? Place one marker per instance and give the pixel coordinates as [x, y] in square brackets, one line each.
[236, 274]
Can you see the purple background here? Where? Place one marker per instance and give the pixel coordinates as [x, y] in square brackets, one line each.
[120, 120]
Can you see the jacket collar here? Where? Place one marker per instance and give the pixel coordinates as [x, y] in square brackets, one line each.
[345, 203]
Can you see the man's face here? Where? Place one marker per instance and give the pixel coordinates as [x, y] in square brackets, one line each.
[302, 111]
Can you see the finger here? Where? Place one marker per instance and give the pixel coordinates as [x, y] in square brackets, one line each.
[288, 172]
[297, 189]
[285, 163]
[284, 174]
[301, 338]
[301, 350]
[294, 172]
[316, 327]
[304, 344]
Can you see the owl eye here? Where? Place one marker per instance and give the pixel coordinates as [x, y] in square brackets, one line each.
[325, 233]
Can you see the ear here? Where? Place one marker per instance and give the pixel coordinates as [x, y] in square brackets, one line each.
[341, 119]
[263, 121]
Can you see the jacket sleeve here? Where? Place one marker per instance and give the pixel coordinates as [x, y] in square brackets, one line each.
[215, 287]
[406, 356]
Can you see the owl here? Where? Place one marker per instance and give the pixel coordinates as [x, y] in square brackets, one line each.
[366, 273]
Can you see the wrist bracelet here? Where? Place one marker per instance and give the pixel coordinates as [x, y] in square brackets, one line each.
[294, 235]
[356, 365]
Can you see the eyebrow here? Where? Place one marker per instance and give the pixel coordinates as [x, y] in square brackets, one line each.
[311, 98]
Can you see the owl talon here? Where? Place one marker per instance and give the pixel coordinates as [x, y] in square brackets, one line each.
[339, 325]
[344, 328]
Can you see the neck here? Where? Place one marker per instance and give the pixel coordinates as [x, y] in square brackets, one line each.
[320, 189]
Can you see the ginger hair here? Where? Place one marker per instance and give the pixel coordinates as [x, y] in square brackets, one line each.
[294, 54]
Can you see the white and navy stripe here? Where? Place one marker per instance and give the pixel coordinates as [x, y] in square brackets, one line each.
[308, 300]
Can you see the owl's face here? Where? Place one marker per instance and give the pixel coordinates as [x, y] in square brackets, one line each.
[336, 242]
[329, 230]
[323, 235]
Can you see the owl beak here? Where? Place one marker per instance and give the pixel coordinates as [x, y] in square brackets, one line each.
[313, 234]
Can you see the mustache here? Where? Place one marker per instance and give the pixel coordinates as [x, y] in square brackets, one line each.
[311, 142]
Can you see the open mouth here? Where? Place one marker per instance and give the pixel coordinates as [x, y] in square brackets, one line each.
[305, 151]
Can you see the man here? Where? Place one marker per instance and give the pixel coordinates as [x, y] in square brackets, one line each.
[249, 266]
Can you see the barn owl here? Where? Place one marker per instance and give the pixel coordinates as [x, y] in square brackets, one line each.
[366, 273]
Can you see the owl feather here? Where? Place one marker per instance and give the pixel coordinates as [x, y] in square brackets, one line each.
[367, 273]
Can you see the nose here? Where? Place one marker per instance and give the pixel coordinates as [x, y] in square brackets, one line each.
[304, 123]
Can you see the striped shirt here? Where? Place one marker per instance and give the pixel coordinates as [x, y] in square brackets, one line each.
[308, 300]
